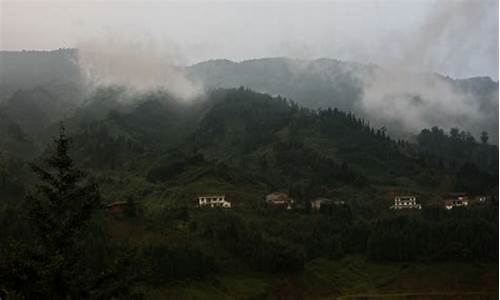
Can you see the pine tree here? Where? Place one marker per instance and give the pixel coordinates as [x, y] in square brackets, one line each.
[60, 208]
[62, 204]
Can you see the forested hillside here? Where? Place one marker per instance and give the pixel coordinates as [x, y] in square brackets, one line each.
[399, 100]
[116, 201]
[242, 137]
[402, 102]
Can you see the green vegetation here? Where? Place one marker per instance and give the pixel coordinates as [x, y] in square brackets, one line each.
[152, 155]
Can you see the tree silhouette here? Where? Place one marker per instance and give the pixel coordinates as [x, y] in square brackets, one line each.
[65, 198]
[484, 137]
[60, 208]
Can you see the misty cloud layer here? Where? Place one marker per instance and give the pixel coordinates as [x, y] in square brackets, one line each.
[415, 101]
[457, 38]
[452, 37]
[150, 45]
[135, 63]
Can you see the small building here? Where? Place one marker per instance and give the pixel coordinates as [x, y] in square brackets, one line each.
[213, 201]
[479, 199]
[317, 203]
[281, 200]
[117, 207]
[482, 199]
[406, 202]
[453, 200]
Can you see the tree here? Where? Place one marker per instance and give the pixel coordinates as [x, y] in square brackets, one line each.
[454, 133]
[3, 170]
[60, 208]
[63, 202]
[484, 137]
[131, 208]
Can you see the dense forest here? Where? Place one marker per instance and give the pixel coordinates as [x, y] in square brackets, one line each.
[154, 154]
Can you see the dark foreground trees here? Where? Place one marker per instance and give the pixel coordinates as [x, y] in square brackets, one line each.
[60, 254]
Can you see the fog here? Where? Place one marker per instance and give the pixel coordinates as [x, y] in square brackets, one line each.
[140, 64]
[146, 45]
[457, 38]
[447, 40]
[415, 102]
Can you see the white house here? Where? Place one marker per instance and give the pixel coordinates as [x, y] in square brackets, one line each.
[406, 202]
[214, 201]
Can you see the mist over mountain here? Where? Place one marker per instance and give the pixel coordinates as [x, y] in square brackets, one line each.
[160, 150]
[249, 149]
[400, 101]
[56, 71]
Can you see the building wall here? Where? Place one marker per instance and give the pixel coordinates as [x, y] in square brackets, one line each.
[214, 201]
[401, 202]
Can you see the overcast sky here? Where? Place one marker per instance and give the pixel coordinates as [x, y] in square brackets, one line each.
[458, 38]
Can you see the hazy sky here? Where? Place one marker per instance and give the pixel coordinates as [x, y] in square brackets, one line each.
[459, 38]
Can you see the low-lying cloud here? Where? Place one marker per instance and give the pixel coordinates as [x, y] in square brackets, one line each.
[135, 62]
[413, 102]
[407, 94]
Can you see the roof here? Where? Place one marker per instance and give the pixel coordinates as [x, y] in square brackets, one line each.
[116, 203]
[323, 200]
[279, 199]
[328, 201]
[455, 200]
[456, 194]
[277, 194]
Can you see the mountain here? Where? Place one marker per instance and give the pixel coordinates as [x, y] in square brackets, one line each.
[318, 83]
[37, 88]
[402, 102]
[157, 153]
[248, 144]
[56, 71]
[106, 206]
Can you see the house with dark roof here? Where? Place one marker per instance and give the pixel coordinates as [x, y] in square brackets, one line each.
[279, 200]
[453, 200]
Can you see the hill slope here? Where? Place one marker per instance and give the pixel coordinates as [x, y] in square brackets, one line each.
[401, 101]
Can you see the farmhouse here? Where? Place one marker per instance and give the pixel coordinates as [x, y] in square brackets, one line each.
[317, 203]
[116, 207]
[455, 200]
[213, 201]
[281, 200]
[406, 202]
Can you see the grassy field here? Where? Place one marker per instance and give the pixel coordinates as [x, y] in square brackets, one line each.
[348, 278]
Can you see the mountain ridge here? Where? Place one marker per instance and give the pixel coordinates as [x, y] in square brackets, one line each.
[388, 98]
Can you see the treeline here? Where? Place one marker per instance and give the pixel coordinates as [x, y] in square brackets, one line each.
[260, 251]
[432, 235]
[457, 235]
[274, 241]
[457, 148]
[474, 165]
